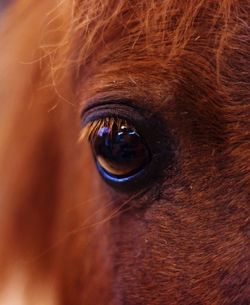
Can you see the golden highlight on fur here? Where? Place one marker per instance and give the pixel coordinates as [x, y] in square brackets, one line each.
[68, 238]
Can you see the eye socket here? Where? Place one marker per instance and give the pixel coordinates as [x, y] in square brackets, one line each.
[119, 150]
[132, 146]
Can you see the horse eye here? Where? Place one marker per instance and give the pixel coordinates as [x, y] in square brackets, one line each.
[119, 150]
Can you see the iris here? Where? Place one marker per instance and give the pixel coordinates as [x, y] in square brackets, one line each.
[120, 151]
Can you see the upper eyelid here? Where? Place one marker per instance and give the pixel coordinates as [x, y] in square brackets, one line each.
[151, 122]
[138, 105]
[101, 99]
[122, 108]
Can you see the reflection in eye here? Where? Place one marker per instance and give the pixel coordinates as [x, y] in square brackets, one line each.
[119, 150]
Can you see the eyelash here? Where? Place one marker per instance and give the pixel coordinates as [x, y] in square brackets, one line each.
[90, 130]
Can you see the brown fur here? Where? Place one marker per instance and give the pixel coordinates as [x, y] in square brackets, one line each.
[181, 240]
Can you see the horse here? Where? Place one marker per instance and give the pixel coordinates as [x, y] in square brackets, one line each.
[124, 152]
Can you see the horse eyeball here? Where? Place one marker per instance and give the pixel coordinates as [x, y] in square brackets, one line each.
[119, 150]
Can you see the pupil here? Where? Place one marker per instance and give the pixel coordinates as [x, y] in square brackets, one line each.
[120, 151]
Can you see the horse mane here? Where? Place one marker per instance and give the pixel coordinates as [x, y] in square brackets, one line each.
[49, 51]
[44, 208]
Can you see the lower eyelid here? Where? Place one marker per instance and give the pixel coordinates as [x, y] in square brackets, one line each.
[114, 180]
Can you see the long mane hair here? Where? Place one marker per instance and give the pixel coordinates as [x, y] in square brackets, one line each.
[50, 246]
